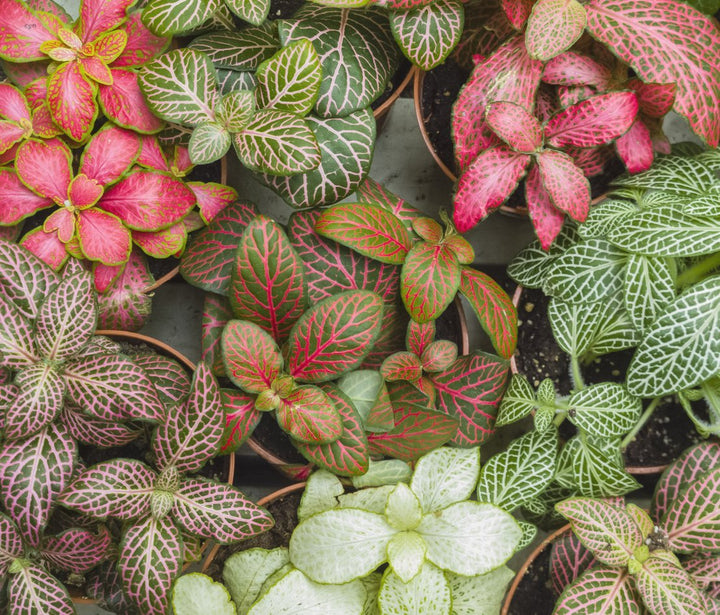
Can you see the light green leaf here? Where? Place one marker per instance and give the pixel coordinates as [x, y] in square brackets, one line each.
[605, 216]
[236, 109]
[403, 510]
[372, 500]
[428, 592]
[320, 494]
[167, 17]
[481, 594]
[198, 594]
[252, 11]
[529, 533]
[666, 588]
[604, 410]
[649, 287]
[209, 142]
[406, 554]
[597, 472]
[520, 472]
[518, 401]
[362, 386]
[445, 476]
[384, 472]
[246, 572]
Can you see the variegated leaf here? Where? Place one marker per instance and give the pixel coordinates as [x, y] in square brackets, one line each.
[168, 17]
[11, 544]
[369, 191]
[95, 432]
[568, 560]
[241, 418]
[445, 476]
[34, 590]
[564, 184]
[252, 358]
[402, 366]
[309, 415]
[596, 468]
[553, 27]
[169, 377]
[24, 279]
[38, 402]
[77, 550]
[427, 591]
[195, 592]
[603, 590]
[518, 401]
[17, 348]
[649, 287]
[573, 68]
[515, 125]
[216, 314]
[605, 410]
[676, 174]
[239, 50]
[666, 588]
[209, 142]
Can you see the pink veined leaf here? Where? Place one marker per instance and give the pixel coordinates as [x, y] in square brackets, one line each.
[104, 584]
[514, 125]
[99, 17]
[553, 27]
[594, 121]
[71, 100]
[693, 462]
[216, 314]
[10, 134]
[402, 366]
[610, 591]
[112, 387]
[150, 559]
[401, 5]
[46, 246]
[569, 95]
[334, 336]
[646, 35]
[163, 243]
[151, 155]
[655, 99]
[22, 32]
[212, 198]
[125, 105]
[109, 155]
[62, 223]
[371, 191]
[36, 91]
[214, 510]
[573, 68]
[26, 74]
[308, 415]
[268, 282]
[241, 418]
[389, 341]
[210, 253]
[34, 590]
[486, 184]
[102, 237]
[33, 473]
[439, 355]
[591, 161]
[17, 202]
[104, 276]
[703, 568]
[77, 550]
[564, 183]
[252, 358]
[84, 192]
[568, 560]
[46, 168]
[546, 219]
[470, 391]
[517, 11]
[428, 229]
[119, 488]
[493, 308]
[96, 70]
[94, 432]
[608, 531]
[17, 349]
[635, 148]
[169, 377]
[193, 221]
[11, 545]
[429, 280]
[142, 45]
[192, 434]
[666, 587]
[419, 336]
[43, 124]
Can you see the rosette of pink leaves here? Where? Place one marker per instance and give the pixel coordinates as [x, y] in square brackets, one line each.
[157, 506]
[71, 67]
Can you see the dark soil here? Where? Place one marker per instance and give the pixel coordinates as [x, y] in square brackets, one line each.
[534, 594]
[666, 434]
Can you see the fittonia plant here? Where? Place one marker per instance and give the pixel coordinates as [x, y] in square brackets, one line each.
[665, 561]
[170, 17]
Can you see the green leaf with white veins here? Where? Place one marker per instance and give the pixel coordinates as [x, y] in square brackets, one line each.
[239, 50]
[520, 472]
[518, 401]
[481, 594]
[209, 142]
[245, 573]
[428, 34]
[290, 80]
[180, 86]
[613, 328]
[604, 410]
[531, 265]
[573, 324]
[198, 594]
[278, 143]
[597, 471]
[236, 110]
[403, 509]
[681, 350]
[252, 11]
[166, 17]
[680, 175]
[605, 216]
[445, 476]
[649, 287]
[428, 592]
[406, 554]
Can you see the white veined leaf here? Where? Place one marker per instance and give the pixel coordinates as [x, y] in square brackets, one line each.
[230, 81]
[403, 510]
[372, 500]
[546, 393]
[428, 34]
[245, 573]
[383, 472]
[209, 142]
[649, 287]
[604, 410]
[613, 331]
[597, 468]
[180, 86]
[236, 109]
[531, 265]
[406, 554]
[428, 592]
[343, 4]
[610, 591]
[167, 17]
[681, 350]
[529, 532]
[518, 401]
[198, 594]
[320, 494]
[574, 324]
[481, 594]
[605, 216]
[520, 472]
[666, 588]
[290, 79]
[240, 50]
[252, 11]
[445, 476]
[675, 174]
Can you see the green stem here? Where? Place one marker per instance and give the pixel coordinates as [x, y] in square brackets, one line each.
[639, 425]
[698, 270]
[576, 373]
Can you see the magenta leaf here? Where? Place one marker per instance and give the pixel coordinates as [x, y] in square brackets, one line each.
[11, 545]
[572, 68]
[169, 377]
[514, 125]
[241, 418]
[309, 415]
[470, 391]
[77, 550]
[95, 432]
[212, 198]
[568, 560]
[252, 358]
[210, 253]
[600, 590]
[493, 309]
[635, 148]
[547, 221]
[486, 184]
[120, 488]
[34, 590]
[553, 27]
[372, 192]
[192, 433]
[213, 510]
[124, 103]
[517, 11]
[109, 154]
[22, 32]
[268, 283]
[564, 183]
[216, 314]
[33, 472]
[334, 336]
[151, 556]
[38, 402]
[655, 99]
[402, 366]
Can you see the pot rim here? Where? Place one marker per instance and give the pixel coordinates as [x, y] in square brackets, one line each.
[383, 109]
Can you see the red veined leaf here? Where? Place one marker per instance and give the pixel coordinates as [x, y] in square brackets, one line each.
[594, 121]
[493, 308]
[655, 99]
[17, 349]
[119, 488]
[252, 358]
[214, 510]
[94, 432]
[36, 91]
[370, 191]
[368, 229]
[210, 253]
[34, 590]
[348, 455]
[151, 155]
[601, 590]
[461, 248]
[646, 35]
[470, 391]
[547, 221]
[112, 388]
[514, 125]
[568, 560]
[439, 355]
[22, 33]
[216, 314]
[38, 402]
[109, 154]
[417, 431]
[402, 366]
[96, 70]
[308, 415]
[77, 550]
[11, 545]
[268, 283]
[102, 237]
[564, 183]
[169, 377]
[43, 124]
[241, 418]
[71, 100]
[84, 192]
[109, 46]
[150, 559]
[17, 202]
[193, 221]
[10, 134]
[212, 198]
[486, 184]
[148, 201]
[124, 305]
[33, 473]
[666, 587]
[124, 104]
[553, 27]
[390, 339]
[45, 167]
[427, 229]
[334, 336]
[572, 68]
[193, 432]
[635, 148]
[419, 336]
[98, 17]
[164, 243]
[429, 280]
[517, 11]
[331, 268]
[591, 161]
[142, 45]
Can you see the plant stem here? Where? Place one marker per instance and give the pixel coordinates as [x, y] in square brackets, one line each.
[639, 425]
[698, 270]
[578, 381]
